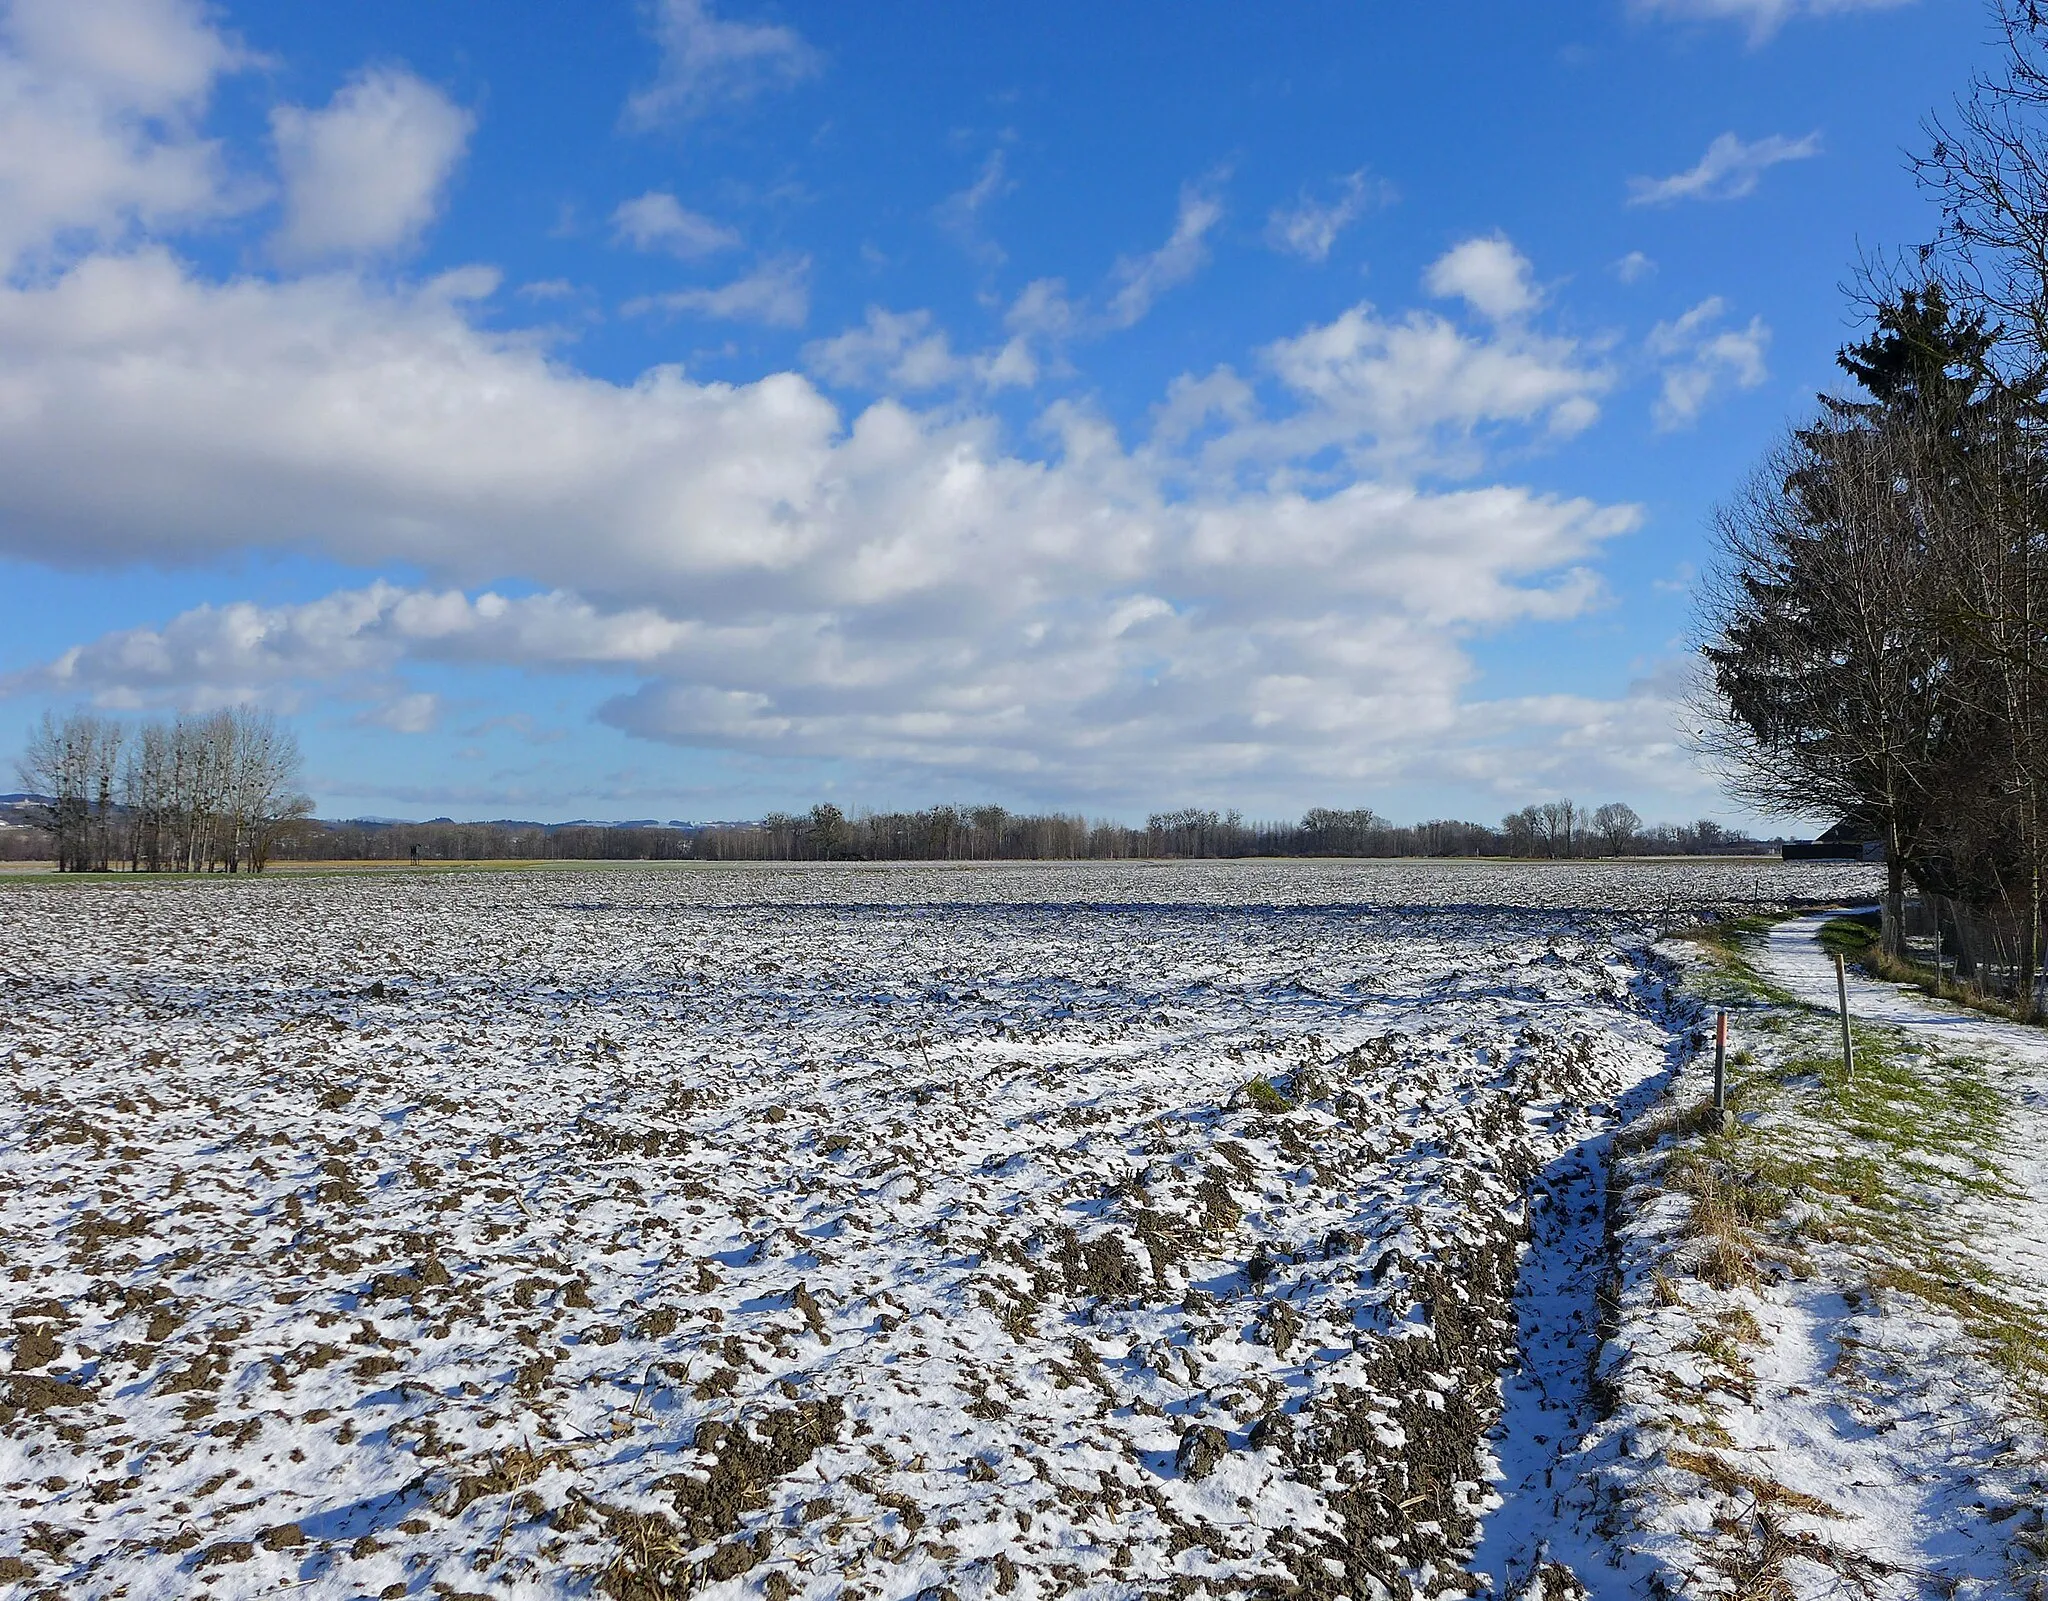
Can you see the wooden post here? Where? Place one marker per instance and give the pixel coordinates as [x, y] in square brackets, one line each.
[1842, 996]
[1720, 1061]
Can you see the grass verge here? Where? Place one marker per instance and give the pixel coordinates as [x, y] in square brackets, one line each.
[1900, 1164]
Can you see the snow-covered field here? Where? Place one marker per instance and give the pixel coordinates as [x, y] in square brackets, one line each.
[1102, 1230]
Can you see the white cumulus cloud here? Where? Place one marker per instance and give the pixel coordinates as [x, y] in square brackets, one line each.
[365, 174]
[1417, 392]
[1043, 310]
[960, 213]
[417, 712]
[1310, 227]
[777, 293]
[1489, 274]
[907, 353]
[239, 651]
[1143, 279]
[99, 106]
[157, 57]
[899, 351]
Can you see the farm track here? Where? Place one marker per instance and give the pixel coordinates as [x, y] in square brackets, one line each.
[1017, 1232]
[1827, 1354]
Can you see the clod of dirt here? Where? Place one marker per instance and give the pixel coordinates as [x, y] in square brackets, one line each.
[504, 1472]
[1220, 1212]
[1553, 1581]
[1101, 1267]
[806, 1303]
[1202, 1447]
[533, 1376]
[746, 1460]
[1275, 1432]
[658, 1324]
[31, 1392]
[1308, 1085]
[35, 1346]
[731, 1560]
[1279, 1326]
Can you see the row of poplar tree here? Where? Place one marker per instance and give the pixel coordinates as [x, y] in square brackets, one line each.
[1876, 627]
[211, 793]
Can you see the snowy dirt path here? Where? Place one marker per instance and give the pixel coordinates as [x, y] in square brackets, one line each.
[1907, 1459]
[1828, 1359]
[2013, 1229]
[1792, 958]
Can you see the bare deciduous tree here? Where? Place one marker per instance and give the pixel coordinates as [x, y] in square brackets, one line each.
[1560, 827]
[198, 794]
[1987, 167]
[1616, 826]
[72, 763]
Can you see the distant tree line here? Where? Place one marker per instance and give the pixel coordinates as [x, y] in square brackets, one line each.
[214, 793]
[109, 834]
[992, 833]
[1876, 625]
[221, 793]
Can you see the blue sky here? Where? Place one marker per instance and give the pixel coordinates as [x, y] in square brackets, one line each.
[684, 409]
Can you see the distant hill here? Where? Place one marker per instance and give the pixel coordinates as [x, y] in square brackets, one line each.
[20, 810]
[675, 823]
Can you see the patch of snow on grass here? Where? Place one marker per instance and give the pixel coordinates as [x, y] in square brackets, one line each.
[1829, 1361]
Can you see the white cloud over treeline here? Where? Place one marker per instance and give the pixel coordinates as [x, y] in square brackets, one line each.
[1281, 576]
